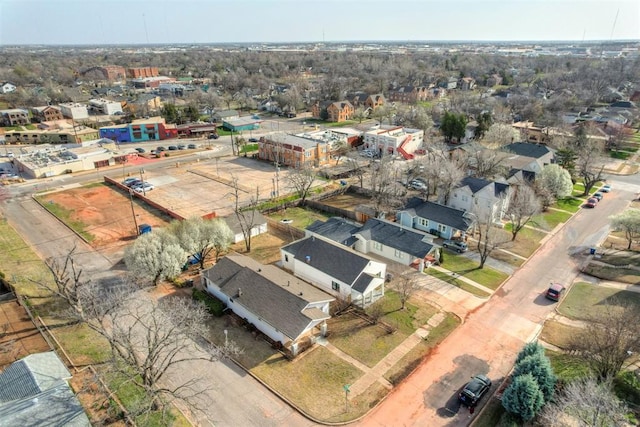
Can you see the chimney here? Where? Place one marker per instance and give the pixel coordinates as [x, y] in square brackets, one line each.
[239, 292]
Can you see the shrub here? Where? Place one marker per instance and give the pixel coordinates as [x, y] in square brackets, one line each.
[529, 349]
[539, 366]
[523, 397]
[213, 304]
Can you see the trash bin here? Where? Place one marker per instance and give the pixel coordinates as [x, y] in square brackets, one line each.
[592, 251]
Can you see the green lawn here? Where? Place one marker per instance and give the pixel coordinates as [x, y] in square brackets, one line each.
[370, 343]
[570, 204]
[567, 367]
[410, 361]
[463, 266]
[301, 217]
[458, 283]
[314, 383]
[248, 148]
[620, 155]
[550, 219]
[584, 300]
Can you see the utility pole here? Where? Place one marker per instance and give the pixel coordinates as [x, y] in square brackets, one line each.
[144, 192]
[133, 212]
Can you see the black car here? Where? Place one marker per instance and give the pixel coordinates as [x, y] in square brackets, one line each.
[141, 150]
[161, 148]
[172, 148]
[182, 147]
[192, 146]
[474, 390]
[214, 136]
[253, 139]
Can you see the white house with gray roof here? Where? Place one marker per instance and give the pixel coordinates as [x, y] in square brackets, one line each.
[434, 218]
[336, 269]
[383, 238]
[486, 199]
[281, 306]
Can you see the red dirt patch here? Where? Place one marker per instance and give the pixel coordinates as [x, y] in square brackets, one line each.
[19, 337]
[107, 213]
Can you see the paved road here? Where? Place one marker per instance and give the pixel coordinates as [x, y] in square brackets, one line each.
[491, 336]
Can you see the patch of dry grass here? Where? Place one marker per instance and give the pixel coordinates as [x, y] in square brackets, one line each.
[557, 333]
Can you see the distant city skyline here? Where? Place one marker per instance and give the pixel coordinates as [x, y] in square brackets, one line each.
[109, 22]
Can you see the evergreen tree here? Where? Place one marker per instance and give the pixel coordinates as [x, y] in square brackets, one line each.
[539, 366]
[523, 397]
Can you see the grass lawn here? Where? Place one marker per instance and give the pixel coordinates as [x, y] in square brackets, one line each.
[370, 343]
[621, 155]
[507, 257]
[248, 148]
[567, 367]
[550, 219]
[301, 217]
[570, 204]
[621, 258]
[83, 345]
[458, 283]
[64, 215]
[584, 299]
[526, 242]
[462, 265]
[410, 361]
[557, 333]
[314, 383]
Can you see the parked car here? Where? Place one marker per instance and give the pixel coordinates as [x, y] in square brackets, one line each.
[192, 146]
[418, 185]
[554, 292]
[605, 188]
[291, 115]
[145, 186]
[182, 147]
[141, 150]
[214, 136]
[598, 196]
[253, 139]
[172, 148]
[591, 203]
[131, 182]
[474, 390]
[455, 245]
[161, 148]
[367, 153]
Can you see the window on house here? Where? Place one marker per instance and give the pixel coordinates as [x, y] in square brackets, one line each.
[465, 198]
[377, 246]
[335, 286]
[442, 228]
[286, 258]
[398, 254]
[423, 222]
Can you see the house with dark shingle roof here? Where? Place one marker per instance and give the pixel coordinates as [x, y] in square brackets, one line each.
[434, 218]
[254, 218]
[34, 392]
[336, 269]
[283, 307]
[383, 238]
[483, 197]
[526, 160]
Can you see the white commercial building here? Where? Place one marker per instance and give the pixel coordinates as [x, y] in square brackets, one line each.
[73, 110]
[105, 106]
[393, 140]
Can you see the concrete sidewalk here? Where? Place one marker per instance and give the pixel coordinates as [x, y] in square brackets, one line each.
[463, 279]
[376, 374]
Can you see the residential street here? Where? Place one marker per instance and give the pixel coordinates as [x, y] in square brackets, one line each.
[492, 335]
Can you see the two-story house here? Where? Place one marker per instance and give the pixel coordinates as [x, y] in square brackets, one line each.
[486, 199]
[336, 269]
[14, 117]
[283, 307]
[409, 94]
[46, 113]
[370, 102]
[526, 160]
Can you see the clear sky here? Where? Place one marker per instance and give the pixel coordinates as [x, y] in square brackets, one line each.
[222, 21]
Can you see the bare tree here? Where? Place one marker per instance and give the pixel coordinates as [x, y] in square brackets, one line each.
[301, 180]
[609, 338]
[147, 339]
[405, 285]
[523, 206]
[246, 215]
[590, 159]
[487, 163]
[385, 194]
[585, 402]
[490, 237]
[155, 256]
[450, 173]
[341, 148]
[200, 237]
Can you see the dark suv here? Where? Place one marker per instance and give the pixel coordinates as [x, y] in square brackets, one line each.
[474, 390]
